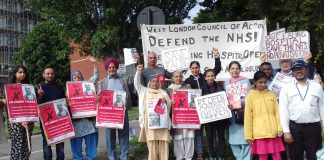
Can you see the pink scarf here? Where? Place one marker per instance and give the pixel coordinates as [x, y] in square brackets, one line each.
[236, 79]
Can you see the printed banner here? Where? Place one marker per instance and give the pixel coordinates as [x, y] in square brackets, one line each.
[129, 56]
[236, 91]
[82, 97]
[184, 113]
[111, 109]
[241, 41]
[212, 107]
[21, 102]
[157, 120]
[56, 121]
[176, 59]
[278, 82]
[291, 45]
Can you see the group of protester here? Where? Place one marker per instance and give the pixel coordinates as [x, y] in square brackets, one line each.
[268, 127]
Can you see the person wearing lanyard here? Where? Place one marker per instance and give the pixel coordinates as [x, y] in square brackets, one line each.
[301, 108]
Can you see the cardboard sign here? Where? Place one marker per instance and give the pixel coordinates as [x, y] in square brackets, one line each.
[82, 97]
[176, 59]
[157, 120]
[21, 102]
[235, 91]
[278, 82]
[184, 113]
[212, 107]
[56, 121]
[111, 109]
[291, 45]
[129, 56]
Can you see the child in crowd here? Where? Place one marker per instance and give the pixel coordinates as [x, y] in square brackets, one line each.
[218, 127]
[262, 128]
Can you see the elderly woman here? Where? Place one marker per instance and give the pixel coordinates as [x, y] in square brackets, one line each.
[157, 138]
[184, 139]
[85, 127]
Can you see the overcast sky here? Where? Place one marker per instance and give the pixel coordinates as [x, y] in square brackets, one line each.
[193, 13]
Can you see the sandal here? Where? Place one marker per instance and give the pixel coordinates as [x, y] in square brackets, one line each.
[200, 157]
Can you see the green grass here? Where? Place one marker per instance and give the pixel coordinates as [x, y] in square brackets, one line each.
[133, 113]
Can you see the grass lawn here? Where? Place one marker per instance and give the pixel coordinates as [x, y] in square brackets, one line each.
[133, 113]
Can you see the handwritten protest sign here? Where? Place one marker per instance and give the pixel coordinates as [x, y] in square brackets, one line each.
[22, 103]
[235, 91]
[176, 59]
[56, 121]
[212, 107]
[157, 120]
[129, 56]
[278, 82]
[82, 97]
[184, 113]
[291, 45]
[241, 41]
[111, 109]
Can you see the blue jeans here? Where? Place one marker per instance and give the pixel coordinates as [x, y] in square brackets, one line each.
[123, 136]
[47, 150]
[199, 141]
[91, 142]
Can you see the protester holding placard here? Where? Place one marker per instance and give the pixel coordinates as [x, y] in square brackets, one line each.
[217, 127]
[236, 89]
[262, 127]
[114, 81]
[183, 139]
[196, 80]
[17, 131]
[157, 138]
[85, 127]
[153, 70]
[50, 91]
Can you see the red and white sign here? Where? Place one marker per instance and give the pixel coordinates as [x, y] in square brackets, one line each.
[234, 93]
[184, 113]
[82, 97]
[111, 109]
[56, 121]
[21, 102]
[157, 118]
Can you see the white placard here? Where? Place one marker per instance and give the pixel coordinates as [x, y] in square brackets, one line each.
[156, 120]
[176, 59]
[129, 56]
[291, 45]
[278, 82]
[241, 41]
[212, 107]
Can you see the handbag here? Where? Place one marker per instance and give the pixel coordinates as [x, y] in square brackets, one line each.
[239, 116]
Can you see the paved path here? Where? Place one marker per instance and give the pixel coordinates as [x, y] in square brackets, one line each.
[37, 149]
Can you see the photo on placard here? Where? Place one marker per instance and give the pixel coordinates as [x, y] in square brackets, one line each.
[28, 93]
[155, 119]
[60, 110]
[191, 100]
[87, 88]
[118, 100]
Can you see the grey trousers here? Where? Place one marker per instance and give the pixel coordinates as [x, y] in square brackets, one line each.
[184, 148]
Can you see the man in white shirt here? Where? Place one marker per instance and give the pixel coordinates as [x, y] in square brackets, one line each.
[301, 112]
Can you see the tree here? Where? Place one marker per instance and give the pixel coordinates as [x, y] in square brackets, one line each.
[294, 15]
[45, 46]
[109, 24]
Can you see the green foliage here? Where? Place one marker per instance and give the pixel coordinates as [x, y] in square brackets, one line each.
[110, 24]
[45, 46]
[294, 15]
